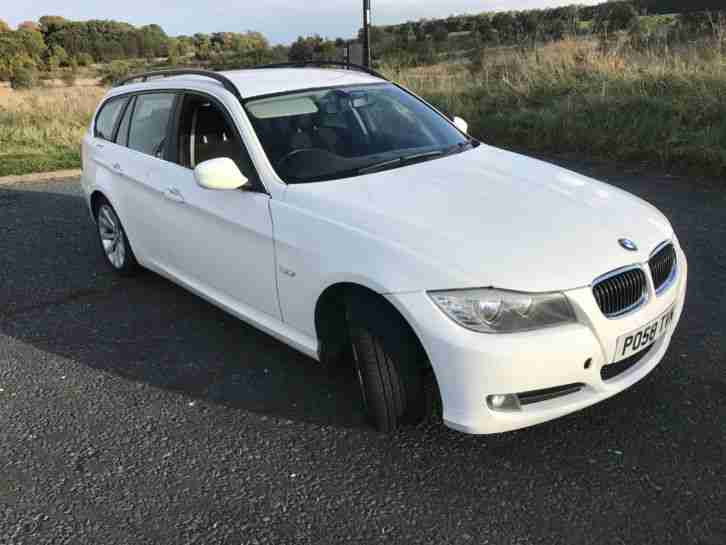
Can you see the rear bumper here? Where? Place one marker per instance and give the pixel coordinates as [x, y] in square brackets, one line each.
[471, 366]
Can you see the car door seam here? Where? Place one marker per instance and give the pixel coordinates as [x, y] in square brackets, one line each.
[274, 259]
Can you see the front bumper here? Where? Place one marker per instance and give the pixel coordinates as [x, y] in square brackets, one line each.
[470, 366]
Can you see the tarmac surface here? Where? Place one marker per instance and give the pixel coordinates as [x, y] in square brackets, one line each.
[132, 412]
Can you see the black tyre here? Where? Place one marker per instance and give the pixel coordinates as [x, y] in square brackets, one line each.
[391, 366]
[114, 243]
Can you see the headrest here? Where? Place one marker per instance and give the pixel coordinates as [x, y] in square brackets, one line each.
[304, 122]
[210, 120]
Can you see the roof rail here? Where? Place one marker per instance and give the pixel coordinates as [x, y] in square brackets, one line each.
[221, 78]
[339, 64]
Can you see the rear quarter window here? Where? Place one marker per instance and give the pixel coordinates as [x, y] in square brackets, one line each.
[107, 118]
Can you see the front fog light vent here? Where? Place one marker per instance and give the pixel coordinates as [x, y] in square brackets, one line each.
[537, 396]
[515, 402]
[503, 402]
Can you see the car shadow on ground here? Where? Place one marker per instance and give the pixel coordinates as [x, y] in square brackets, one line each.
[60, 297]
[653, 454]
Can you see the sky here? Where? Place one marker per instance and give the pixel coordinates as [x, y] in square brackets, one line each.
[281, 21]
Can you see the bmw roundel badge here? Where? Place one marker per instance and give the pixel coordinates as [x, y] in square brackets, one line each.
[628, 244]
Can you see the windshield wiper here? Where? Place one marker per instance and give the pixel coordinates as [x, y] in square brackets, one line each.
[400, 161]
[461, 146]
[387, 163]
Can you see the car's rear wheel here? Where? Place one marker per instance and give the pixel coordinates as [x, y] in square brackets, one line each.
[114, 243]
[390, 364]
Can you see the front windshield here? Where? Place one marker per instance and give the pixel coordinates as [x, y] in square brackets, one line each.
[347, 131]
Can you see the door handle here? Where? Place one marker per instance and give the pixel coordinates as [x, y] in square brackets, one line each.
[117, 167]
[173, 194]
[99, 145]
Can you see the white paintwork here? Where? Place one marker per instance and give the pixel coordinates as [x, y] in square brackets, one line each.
[220, 243]
[281, 80]
[219, 174]
[462, 125]
[470, 366]
[482, 218]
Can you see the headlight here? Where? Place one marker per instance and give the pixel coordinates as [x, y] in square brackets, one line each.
[500, 311]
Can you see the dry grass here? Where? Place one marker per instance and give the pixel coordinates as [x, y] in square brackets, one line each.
[41, 129]
[658, 104]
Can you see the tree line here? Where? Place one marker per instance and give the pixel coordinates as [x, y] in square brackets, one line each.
[54, 44]
[457, 38]
[553, 23]
[57, 45]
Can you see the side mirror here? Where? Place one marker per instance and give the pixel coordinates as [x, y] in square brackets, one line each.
[462, 125]
[220, 174]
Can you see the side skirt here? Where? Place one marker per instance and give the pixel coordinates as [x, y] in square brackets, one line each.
[264, 322]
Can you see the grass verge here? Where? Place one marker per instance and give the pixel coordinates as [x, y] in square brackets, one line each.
[41, 130]
[660, 105]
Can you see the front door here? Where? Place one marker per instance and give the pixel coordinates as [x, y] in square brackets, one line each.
[221, 242]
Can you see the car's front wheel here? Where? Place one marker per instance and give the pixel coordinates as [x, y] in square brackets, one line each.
[391, 366]
[114, 242]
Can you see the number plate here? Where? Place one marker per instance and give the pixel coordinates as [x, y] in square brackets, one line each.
[643, 337]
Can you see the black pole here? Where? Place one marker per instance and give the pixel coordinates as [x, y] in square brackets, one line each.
[367, 33]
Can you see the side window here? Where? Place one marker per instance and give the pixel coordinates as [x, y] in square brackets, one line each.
[122, 137]
[205, 132]
[150, 120]
[107, 117]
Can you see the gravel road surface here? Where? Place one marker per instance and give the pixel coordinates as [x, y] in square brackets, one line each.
[132, 412]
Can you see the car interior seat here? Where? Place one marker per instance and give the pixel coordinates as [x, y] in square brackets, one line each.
[211, 136]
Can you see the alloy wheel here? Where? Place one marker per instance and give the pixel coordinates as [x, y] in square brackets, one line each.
[112, 236]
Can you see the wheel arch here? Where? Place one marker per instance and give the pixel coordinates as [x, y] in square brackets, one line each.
[95, 200]
[330, 318]
[97, 197]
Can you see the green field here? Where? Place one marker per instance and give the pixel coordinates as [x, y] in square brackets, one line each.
[661, 105]
[40, 130]
[665, 106]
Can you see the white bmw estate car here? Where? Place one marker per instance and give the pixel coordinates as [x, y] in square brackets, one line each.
[343, 215]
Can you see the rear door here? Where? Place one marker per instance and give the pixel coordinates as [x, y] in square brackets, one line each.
[144, 168]
[221, 242]
[101, 151]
